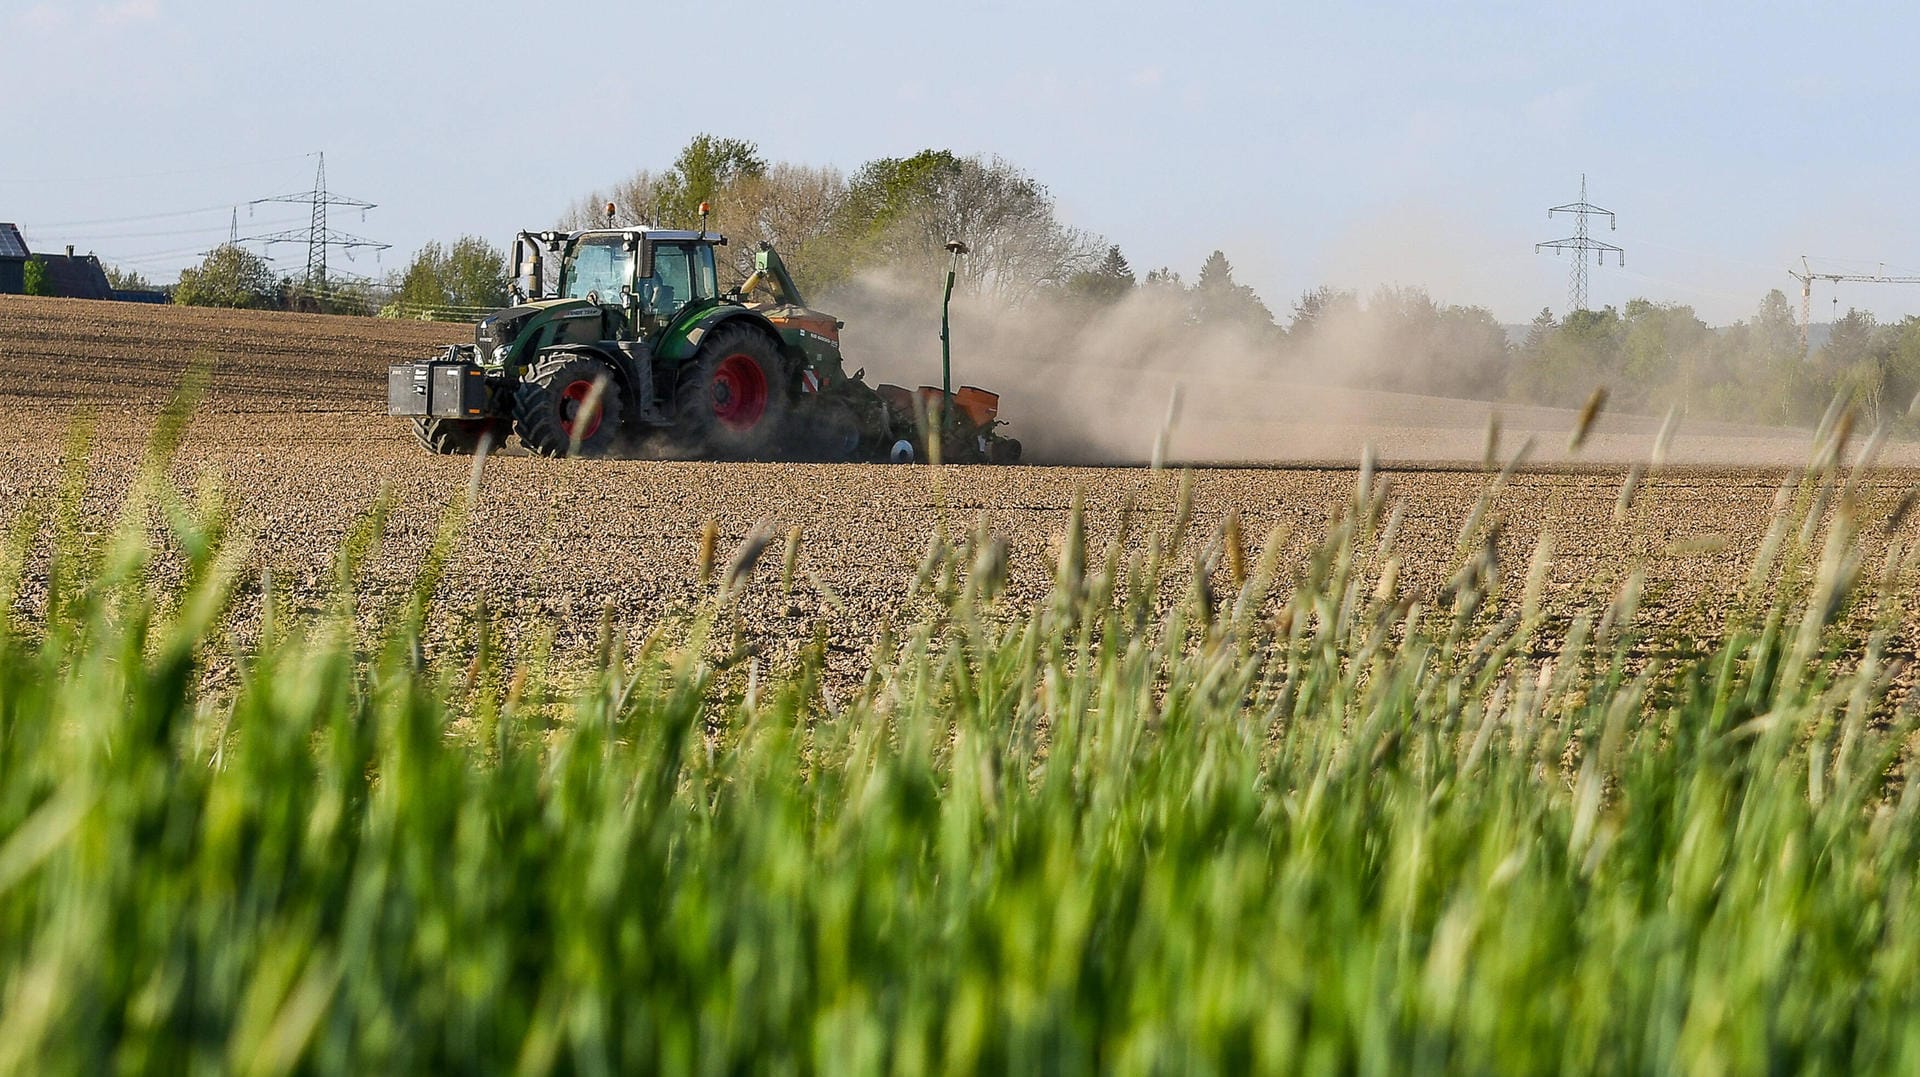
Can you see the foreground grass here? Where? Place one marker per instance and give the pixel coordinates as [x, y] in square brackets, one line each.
[1303, 824]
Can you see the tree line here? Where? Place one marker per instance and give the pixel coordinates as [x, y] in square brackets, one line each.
[891, 214]
[456, 280]
[1653, 356]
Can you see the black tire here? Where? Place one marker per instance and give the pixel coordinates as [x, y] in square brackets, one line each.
[1003, 451]
[459, 437]
[551, 395]
[824, 430]
[733, 399]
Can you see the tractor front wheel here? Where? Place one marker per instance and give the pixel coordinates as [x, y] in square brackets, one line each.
[734, 397]
[569, 404]
[460, 437]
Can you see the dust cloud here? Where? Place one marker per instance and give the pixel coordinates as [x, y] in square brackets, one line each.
[1126, 382]
[1078, 384]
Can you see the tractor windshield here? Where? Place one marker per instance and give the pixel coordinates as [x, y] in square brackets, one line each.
[597, 264]
[682, 273]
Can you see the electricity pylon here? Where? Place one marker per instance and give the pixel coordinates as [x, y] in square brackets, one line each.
[318, 237]
[1581, 242]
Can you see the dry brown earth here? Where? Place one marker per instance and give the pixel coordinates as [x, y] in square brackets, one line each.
[294, 431]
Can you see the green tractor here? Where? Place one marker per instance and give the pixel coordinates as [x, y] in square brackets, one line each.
[630, 347]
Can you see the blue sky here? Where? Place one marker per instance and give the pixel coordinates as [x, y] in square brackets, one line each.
[1414, 144]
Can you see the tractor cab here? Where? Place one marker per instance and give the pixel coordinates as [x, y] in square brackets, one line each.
[648, 275]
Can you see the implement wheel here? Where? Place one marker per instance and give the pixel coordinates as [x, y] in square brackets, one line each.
[734, 397]
[460, 437]
[554, 408]
[824, 429]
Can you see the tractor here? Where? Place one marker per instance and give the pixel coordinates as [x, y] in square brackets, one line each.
[629, 347]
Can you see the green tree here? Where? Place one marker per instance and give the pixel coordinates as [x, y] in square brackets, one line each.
[229, 276]
[706, 167]
[476, 273]
[127, 280]
[1164, 279]
[1402, 341]
[1776, 330]
[1760, 370]
[1666, 357]
[351, 296]
[1863, 363]
[35, 272]
[1419, 346]
[894, 212]
[468, 276]
[1901, 368]
[1314, 310]
[1581, 352]
[1471, 354]
[1220, 300]
[1538, 332]
[794, 207]
[1109, 282]
[901, 212]
[884, 190]
[1849, 343]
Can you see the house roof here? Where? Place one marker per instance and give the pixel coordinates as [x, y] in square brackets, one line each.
[76, 276]
[12, 243]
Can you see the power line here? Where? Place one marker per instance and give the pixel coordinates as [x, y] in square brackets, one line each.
[94, 179]
[1580, 243]
[137, 219]
[85, 236]
[175, 255]
[198, 250]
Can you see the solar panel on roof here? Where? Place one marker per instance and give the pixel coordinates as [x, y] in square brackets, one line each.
[11, 244]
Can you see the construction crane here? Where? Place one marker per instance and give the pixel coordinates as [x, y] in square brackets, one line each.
[1806, 276]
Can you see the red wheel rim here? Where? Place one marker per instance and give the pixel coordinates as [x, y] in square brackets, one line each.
[572, 399]
[739, 392]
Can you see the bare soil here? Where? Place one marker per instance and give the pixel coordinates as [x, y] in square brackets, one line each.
[293, 431]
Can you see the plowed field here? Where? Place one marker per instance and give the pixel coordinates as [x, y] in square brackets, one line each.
[294, 431]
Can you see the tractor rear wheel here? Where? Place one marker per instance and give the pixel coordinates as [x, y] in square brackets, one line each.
[555, 411]
[734, 397]
[460, 437]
